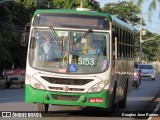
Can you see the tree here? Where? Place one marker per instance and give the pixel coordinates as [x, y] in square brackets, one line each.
[73, 4]
[13, 18]
[151, 48]
[150, 52]
[126, 11]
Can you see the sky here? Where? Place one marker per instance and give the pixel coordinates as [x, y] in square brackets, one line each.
[152, 25]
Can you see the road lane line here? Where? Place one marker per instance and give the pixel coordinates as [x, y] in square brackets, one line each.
[155, 110]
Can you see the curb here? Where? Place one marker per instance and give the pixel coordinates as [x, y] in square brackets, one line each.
[155, 110]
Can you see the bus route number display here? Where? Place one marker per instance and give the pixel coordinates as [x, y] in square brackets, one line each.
[87, 61]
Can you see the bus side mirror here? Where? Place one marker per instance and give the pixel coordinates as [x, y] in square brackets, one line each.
[24, 39]
[25, 35]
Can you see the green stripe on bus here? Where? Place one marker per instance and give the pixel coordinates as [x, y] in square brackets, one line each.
[37, 96]
[63, 11]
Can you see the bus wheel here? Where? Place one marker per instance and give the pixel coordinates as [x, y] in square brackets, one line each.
[43, 107]
[7, 84]
[122, 103]
[114, 105]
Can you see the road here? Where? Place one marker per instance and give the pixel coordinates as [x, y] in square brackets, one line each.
[138, 100]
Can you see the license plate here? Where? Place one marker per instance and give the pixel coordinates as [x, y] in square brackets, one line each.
[95, 100]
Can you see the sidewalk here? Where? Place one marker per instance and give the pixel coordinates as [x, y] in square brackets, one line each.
[156, 110]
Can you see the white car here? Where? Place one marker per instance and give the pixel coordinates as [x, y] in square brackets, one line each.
[147, 70]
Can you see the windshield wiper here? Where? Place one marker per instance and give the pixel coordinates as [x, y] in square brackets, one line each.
[86, 33]
[54, 32]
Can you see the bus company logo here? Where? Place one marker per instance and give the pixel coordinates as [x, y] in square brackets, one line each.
[65, 88]
[6, 114]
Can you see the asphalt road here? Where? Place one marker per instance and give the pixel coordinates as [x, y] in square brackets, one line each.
[138, 100]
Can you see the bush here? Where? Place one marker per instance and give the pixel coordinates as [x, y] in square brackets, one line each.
[158, 71]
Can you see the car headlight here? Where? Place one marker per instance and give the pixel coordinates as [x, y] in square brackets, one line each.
[35, 83]
[98, 87]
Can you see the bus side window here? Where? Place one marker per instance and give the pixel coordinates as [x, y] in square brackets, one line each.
[113, 44]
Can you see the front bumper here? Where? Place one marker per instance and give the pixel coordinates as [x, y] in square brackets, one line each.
[43, 96]
[148, 75]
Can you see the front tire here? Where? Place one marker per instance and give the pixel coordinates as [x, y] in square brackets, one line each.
[43, 107]
[114, 105]
[153, 78]
[135, 84]
[7, 84]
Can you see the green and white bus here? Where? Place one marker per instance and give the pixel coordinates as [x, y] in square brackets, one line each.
[78, 58]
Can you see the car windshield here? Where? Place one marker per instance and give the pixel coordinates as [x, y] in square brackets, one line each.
[146, 66]
[59, 51]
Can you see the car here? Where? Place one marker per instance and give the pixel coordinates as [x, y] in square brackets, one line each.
[147, 70]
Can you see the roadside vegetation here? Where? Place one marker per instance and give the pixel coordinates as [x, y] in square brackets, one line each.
[2, 84]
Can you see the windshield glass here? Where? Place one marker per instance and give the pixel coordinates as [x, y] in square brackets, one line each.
[146, 66]
[65, 51]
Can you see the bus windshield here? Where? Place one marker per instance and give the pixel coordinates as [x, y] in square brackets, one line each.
[59, 51]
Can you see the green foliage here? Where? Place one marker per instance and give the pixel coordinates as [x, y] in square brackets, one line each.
[151, 48]
[66, 4]
[26, 3]
[73, 4]
[13, 18]
[150, 51]
[126, 11]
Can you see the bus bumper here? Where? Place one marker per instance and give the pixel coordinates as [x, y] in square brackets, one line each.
[63, 98]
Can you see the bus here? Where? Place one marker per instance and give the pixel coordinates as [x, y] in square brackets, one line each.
[78, 58]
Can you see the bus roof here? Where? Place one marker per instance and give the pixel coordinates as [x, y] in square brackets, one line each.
[110, 17]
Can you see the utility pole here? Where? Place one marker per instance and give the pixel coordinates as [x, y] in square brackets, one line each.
[81, 4]
[35, 3]
[140, 46]
[48, 5]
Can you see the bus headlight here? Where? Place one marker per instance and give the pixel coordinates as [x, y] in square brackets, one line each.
[35, 83]
[98, 87]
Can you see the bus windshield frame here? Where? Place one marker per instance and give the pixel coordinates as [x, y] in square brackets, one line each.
[72, 57]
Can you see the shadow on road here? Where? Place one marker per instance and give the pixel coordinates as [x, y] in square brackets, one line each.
[11, 95]
[95, 112]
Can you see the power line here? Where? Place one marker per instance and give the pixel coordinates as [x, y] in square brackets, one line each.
[47, 5]
[11, 26]
[13, 14]
[24, 16]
